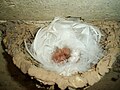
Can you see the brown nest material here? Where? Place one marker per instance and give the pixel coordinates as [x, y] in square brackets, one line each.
[17, 31]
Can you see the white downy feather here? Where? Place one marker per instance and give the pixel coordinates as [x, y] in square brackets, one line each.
[82, 39]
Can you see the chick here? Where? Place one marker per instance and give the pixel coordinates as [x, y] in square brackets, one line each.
[61, 54]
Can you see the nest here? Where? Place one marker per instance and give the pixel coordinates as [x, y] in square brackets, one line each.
[17, 31]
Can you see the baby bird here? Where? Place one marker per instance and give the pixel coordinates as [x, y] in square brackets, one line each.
[61, 55]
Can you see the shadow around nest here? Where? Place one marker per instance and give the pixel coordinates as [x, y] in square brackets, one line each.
[17, 76]
[111, 80]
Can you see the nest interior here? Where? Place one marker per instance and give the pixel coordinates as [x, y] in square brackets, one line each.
[18, 31]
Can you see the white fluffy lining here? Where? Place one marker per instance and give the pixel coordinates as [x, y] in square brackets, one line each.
[82, 39]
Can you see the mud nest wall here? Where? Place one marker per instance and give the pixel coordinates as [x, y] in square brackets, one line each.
[16, 31]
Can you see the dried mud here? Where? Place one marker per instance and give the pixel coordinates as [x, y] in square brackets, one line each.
[14, 33]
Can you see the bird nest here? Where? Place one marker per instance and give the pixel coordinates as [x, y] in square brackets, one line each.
[15, 32]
